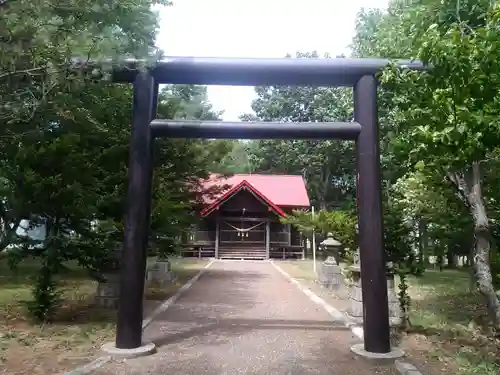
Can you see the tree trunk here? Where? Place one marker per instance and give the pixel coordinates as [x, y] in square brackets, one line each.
[440, 261]
[322, 205]
[450, 256]
[326, 185]
[471, 265]
[482, 247]
[470, 190]
[304, 245]
[423, 241]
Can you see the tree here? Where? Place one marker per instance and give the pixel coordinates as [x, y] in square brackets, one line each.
[37, 43]
[436, 215]
[39, 39]
[445, 120]
[341, 224]
[180, 164]
[64, 135]
[237, 159]
[327, 166]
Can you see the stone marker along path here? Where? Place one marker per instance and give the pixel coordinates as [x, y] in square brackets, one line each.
[244, 317]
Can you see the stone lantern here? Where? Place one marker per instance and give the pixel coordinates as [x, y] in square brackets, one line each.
[330, 274]
[331, 248]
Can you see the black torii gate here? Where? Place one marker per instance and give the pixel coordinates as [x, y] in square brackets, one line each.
[359, 73]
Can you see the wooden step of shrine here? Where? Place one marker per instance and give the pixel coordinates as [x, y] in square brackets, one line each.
[242, 253]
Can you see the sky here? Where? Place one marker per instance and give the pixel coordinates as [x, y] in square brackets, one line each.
[256, 28]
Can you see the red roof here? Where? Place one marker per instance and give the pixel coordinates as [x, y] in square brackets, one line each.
[278, 190]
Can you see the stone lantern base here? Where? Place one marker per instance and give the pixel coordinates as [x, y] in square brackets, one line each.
[330, 274]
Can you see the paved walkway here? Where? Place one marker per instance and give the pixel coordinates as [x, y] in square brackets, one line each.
[244, 317]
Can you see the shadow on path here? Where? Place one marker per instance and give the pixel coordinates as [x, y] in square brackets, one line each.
[245, 318]
[241, 326]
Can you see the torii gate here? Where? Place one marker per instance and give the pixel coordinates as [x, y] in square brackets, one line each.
[358, 73]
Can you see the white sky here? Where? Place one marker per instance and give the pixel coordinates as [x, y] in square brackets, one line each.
[256, 28]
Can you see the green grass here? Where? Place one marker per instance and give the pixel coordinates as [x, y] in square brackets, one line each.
[449, 321]
[453, 317]
[16, 285]
[302, 269]
[184, 269]
[444, 298]
[79, 327]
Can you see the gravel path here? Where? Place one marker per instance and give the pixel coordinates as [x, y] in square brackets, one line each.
[244, 317]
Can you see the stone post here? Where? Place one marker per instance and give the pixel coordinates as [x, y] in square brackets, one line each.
[108, 290]
[160, 274]
[395, 313]
[356, 297]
